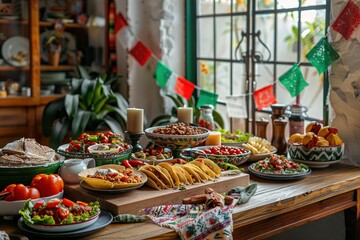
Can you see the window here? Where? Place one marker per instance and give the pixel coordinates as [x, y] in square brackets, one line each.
[248, 44]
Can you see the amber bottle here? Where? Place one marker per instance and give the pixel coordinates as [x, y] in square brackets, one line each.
[278, 138]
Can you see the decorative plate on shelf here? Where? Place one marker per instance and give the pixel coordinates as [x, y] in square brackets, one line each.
[15, 51]
[68, 44]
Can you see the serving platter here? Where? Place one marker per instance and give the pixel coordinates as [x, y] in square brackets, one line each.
[13, 46]
[104, 219]
[276, 176]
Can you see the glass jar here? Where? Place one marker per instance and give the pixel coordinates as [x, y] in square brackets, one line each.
[206, 119]
[297, 118]
[3, 92]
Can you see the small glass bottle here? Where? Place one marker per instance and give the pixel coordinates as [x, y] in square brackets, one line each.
[261, 126]
[278, 138]
[206, 119]
[296, 119]
[3, 92]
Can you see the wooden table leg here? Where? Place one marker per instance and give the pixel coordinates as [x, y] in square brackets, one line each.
[352, 219]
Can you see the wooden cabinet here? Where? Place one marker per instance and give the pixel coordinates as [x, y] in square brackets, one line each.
[30, 80]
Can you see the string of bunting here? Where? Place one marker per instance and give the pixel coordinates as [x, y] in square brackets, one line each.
[321, 56]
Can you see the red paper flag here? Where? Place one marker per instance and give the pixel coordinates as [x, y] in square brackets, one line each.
[120, 22]
[348, 20]
[184, 87]
[264, 97]
[141, 53]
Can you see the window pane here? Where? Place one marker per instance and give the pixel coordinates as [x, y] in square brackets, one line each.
[265, 4]
[287, 37]
[205, 7]
[223, 112]
[206, 38]
[206, 75]
[312, 2]
[265, 24]
[239, 78]
[287, 4]
[223, 79]
[239, 25]
[223, 36]
[312, 29]
[264, 75]
[239, 5]
[222, 6]
[312, 95]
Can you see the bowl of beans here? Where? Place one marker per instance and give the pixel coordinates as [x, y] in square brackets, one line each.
[228, 154]
[177, 136]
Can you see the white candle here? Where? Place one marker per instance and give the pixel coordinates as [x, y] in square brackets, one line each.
[135, 120]
[185, 114]
[214, 138]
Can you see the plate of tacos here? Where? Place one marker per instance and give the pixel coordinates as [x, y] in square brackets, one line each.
[112, 177]
[166, 175]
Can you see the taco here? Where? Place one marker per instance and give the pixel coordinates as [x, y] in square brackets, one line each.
[172, 172]
[188, 178]
[166, 172]
[215, 168]
[157, 175]
[112, 176]
[194, 176]
[204, 168]
[180, 175]
[203, 176]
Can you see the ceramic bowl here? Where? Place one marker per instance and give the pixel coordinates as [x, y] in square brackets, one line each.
[233, 159]
[176, 142]
[152, 159]
[316, 154]
[107, 148]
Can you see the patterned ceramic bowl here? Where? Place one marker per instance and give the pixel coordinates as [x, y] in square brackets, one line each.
[233, 159]
[316, 154]
[176, 142]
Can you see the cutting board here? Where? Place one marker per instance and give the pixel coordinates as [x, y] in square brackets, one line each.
[135, 200]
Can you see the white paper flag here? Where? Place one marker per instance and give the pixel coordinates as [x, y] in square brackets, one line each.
[126, 38]
[236, 106]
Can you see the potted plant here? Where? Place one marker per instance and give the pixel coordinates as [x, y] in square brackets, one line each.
[178, 101]
[90, 105]
[53, 48]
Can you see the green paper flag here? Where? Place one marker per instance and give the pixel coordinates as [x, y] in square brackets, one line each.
[207, 98]
[162, 74]
[293, 80]
[322, 55]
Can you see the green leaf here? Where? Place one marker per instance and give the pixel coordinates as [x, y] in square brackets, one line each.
[79, 123]
[120, 112]
[98, 89]
[106, 89]
[71, 104]
[218, 119]
[83, 73]
[121, 101]
[160, 120]
[50, 114]
[87, 91]
[115, 127]
[59, 133]
[75, 84]
[99, 105]
[175, 101]
[191, 102]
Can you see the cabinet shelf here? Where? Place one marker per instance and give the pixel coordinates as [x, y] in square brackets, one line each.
[12, 68]
[49, 68]
[41, 23]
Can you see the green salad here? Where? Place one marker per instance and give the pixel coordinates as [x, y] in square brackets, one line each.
[58, 211]
[236, 137]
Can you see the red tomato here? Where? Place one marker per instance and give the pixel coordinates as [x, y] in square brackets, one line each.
[38, 204]
[84, 204]
[9, 188]
[20, 192]
[33, 193]
[53, 203]
[63, 212]
[68, 202]
[109, 133]
[48, 185]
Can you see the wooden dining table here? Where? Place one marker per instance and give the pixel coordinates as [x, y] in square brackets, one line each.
[277, 206]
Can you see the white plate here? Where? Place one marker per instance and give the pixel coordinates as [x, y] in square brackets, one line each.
[13, 46]
[64, 227]
[69, 44]
[8, 208]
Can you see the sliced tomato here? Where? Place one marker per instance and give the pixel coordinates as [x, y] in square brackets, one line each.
[63, 212]
[81, 203]
[53, 203]
[38, 204]
[68, 202]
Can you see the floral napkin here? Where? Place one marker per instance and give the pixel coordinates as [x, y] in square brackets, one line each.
[198, 221]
